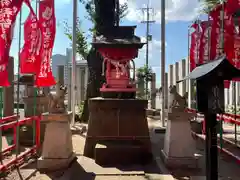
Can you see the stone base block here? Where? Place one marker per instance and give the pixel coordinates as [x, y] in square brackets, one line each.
[179, 162]
[48, 164]
[122, 123]
[112, 154]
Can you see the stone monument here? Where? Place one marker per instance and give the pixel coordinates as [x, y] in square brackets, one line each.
[34, 103]
[57, 150]
[179, 146]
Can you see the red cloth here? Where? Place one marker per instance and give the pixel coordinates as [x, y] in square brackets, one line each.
[30, 58]
[8, 14]
[48, 28]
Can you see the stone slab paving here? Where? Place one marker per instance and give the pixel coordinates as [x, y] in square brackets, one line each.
[85, 168]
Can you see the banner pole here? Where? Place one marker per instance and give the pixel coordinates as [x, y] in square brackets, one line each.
[163, 61]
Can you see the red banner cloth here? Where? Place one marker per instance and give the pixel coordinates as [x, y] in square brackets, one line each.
[30, 59]
[204, 47]
[232, 10]
[194, 46]
[229, 31]
[48, 28]
[8, 13]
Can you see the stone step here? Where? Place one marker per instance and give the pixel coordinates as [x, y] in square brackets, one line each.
[113, 153]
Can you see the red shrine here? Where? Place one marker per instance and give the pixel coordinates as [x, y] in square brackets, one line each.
[117, 63]
[118, 52]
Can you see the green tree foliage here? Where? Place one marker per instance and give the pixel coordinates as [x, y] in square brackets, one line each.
[208, 5]
[92, 56]
[82, 45]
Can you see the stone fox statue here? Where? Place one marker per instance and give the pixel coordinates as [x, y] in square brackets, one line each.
[56, 101]
[177, 99]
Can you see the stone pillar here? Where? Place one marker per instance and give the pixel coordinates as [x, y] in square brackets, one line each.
[8, 92]
[166, 91]
[85, 81]
[237, 92]
[182, 74]
[82, 84]
[176, 75]
[187, 70]
[226, 97]
[190, 88]
[78, 84]
[69, 88]
[29, 101]
[153, 91]
[231, 94]
[61, 75]
[170, 75]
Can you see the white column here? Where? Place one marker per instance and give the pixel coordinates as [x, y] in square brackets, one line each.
[77, 85]
[69, 88]
[187, 70]
[176, 75]
[226, 97]
[237, 92]
[166, 91]
[170, 75]
[182, 74]
[231, 95]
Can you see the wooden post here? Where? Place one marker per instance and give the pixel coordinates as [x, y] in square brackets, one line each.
[211, 146]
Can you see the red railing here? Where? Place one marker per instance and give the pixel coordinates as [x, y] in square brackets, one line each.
[11, 122]
[226, 117]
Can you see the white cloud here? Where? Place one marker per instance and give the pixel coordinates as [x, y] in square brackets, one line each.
[183, 10]
[153, 53]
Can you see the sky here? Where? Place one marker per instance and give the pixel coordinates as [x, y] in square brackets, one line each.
[179, 15]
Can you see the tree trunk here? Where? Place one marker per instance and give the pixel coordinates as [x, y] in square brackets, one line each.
[95, 80]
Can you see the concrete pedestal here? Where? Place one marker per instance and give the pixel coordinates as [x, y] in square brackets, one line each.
[117, 132]
[179, 146]
[57, 151]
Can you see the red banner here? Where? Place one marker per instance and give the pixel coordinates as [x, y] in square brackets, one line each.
[233, 51]
[30, 55]
[8, 13]
[48, 28]
[204, 47]
[194, 46]
[216, 33]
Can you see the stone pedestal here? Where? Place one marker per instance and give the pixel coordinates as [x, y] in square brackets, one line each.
[118, 132]
[57, 150]
[179, 146]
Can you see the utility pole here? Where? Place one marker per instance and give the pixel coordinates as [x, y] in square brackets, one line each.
[148, 37]
[163, 60]
[74, 52]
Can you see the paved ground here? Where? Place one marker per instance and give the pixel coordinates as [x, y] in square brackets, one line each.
[86, 169]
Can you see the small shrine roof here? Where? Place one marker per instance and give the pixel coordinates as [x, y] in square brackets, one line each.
[116, 42]
[217, 68]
